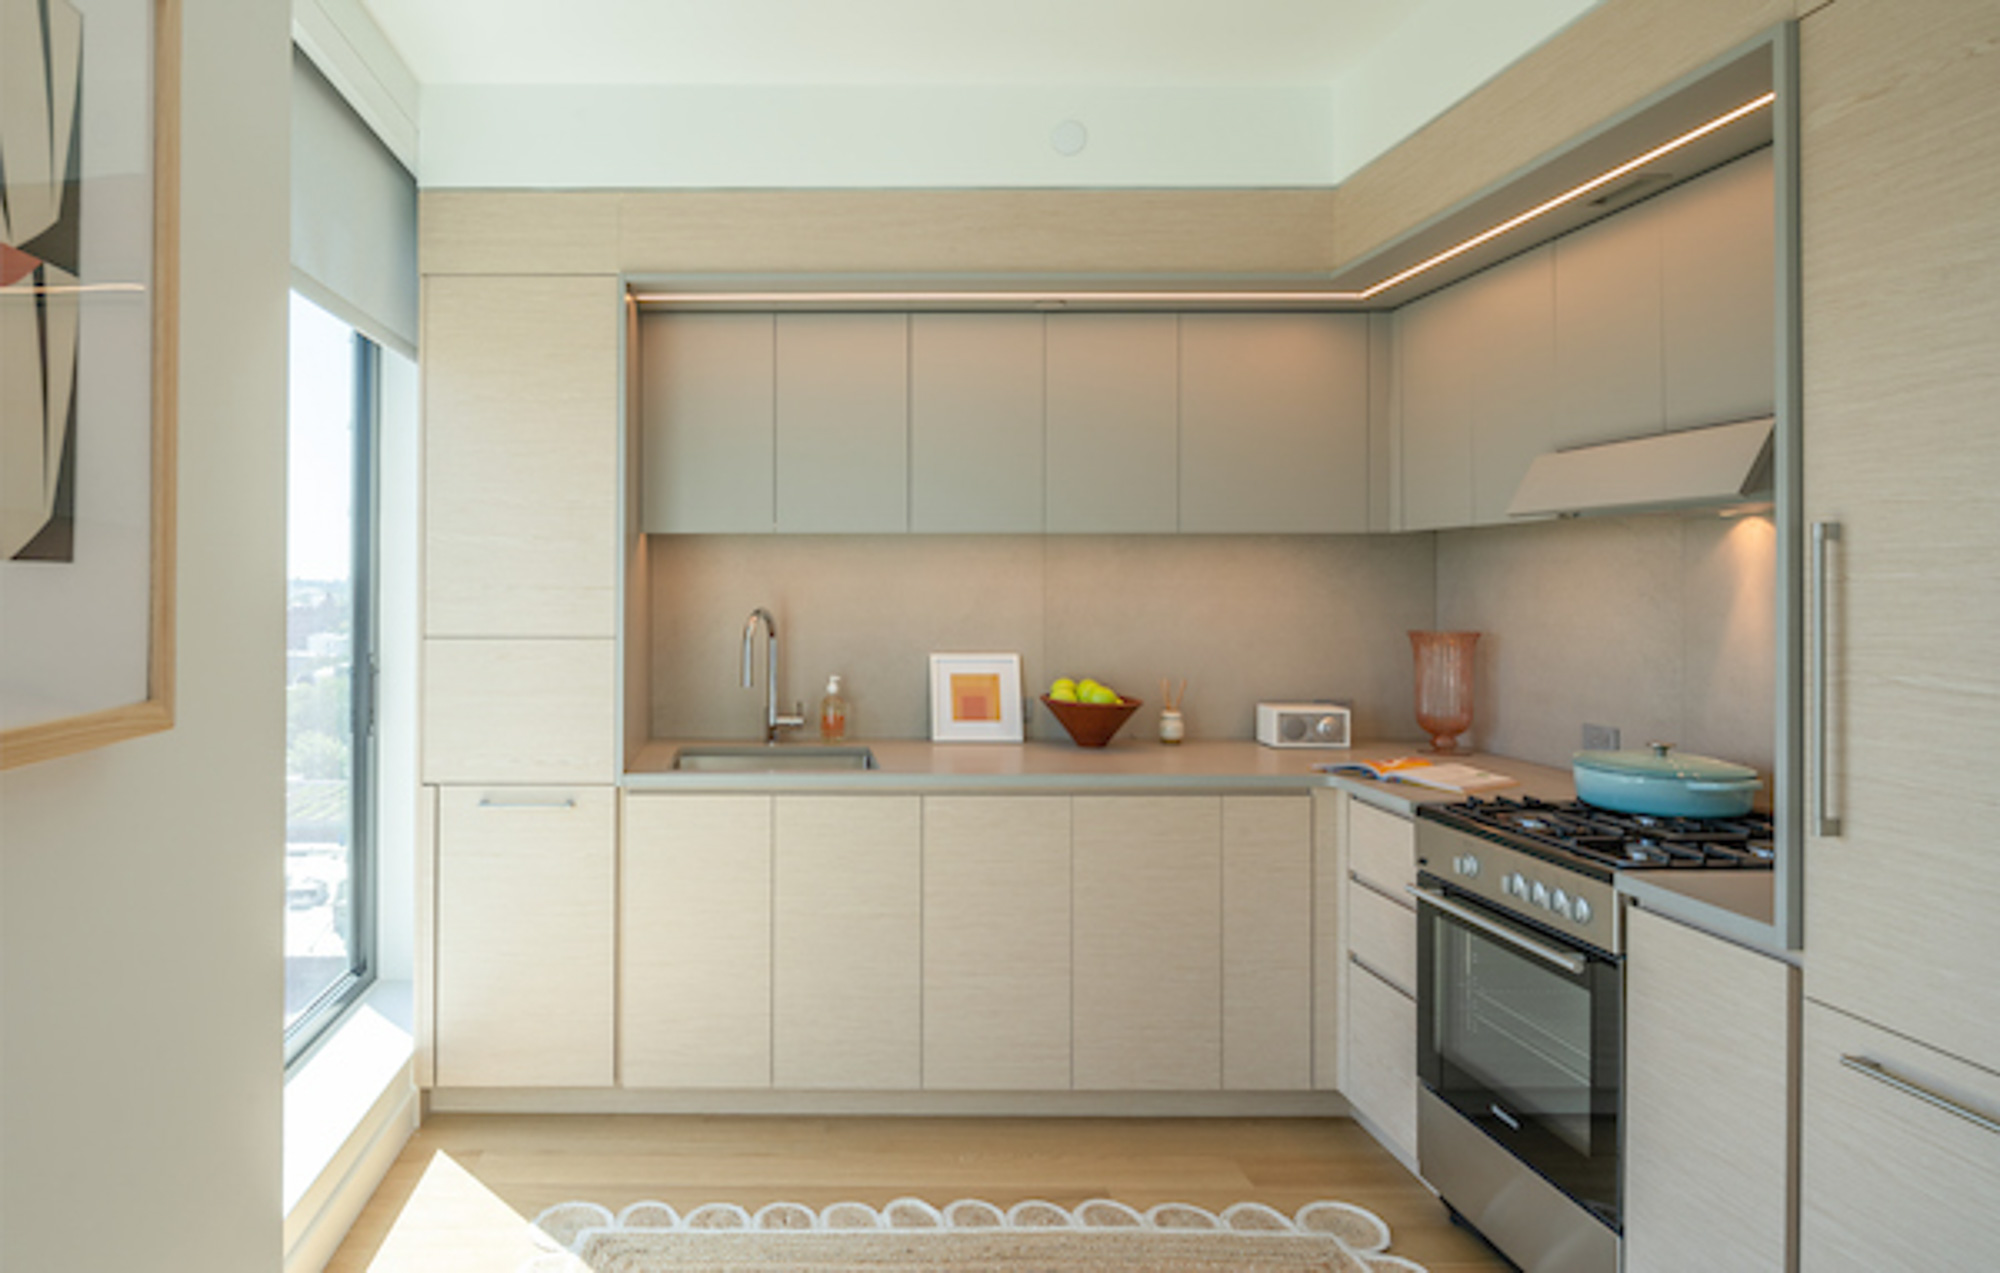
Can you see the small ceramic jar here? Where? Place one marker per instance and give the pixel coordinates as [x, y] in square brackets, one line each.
[1172, 728]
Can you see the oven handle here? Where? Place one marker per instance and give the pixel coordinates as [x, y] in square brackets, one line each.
[1572, 964]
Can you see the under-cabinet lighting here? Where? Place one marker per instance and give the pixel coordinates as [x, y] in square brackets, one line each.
[72, 289]
[1057, 300]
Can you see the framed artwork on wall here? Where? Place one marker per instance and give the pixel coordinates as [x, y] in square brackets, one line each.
[976, 698]
[89, 250]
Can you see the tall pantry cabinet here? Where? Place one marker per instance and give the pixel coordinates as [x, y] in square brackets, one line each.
[1900, 1148]
[521, 562]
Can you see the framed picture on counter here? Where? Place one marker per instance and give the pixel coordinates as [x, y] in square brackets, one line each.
[975, 698]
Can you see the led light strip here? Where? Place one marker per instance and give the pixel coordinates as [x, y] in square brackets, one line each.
[71, 289]
[1061, 300]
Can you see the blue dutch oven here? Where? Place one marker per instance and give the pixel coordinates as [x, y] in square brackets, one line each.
[1664, 782]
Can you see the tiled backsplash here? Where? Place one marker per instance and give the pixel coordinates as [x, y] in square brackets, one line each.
[1662, 626]
[1243, 618]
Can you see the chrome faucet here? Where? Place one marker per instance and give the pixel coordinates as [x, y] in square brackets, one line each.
[772, 721]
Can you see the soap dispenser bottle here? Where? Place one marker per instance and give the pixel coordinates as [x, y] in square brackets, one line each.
[832, 712]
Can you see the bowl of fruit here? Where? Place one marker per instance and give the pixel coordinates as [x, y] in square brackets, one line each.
[1091, 713]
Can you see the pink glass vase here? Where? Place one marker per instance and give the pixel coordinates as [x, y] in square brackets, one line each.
[1444, 685]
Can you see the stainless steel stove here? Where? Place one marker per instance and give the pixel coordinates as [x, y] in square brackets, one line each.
[1520, 1010]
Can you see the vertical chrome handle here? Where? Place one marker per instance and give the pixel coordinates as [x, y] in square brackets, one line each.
[1826, 821]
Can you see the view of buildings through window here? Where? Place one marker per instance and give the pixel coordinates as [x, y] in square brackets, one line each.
[327, 736]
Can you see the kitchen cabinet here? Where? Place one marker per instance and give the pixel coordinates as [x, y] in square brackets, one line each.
[996, 943]
[521, 443]
[843, 423]
[1718, 307]
[1378, 1032]
[694, 941]
[524, 937]
[1147, 915]
[1266, 943]
[1273, 423]
[976, 455]
[1709, 1035]
[536, 711]
[1329, 942]
[1609, 374]
[708, 419]
[1888, 1178]
[847, 961]
[1113, 420]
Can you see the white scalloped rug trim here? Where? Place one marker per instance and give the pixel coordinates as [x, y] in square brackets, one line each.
[909, 1233]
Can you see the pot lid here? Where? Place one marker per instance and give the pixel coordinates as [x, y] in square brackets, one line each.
[1660, 760]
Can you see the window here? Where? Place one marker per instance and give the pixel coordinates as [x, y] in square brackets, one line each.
[330, 673]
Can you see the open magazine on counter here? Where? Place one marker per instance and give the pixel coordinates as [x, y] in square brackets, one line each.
[1418, 771]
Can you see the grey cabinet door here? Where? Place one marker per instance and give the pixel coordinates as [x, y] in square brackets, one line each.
[843, 423]
[1719, 307]
[706, 403]
[1273, 423]
[1113, 405]
[1608, 329]
[976, 423]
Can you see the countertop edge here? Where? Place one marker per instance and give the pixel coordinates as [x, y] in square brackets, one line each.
[1725, 923]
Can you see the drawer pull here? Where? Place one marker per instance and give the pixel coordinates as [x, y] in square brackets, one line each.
[1875, 1070]
[1383, 893]
[1381, 976]
[488, 802]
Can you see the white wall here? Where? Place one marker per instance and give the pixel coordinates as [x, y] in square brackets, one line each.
[141, 970]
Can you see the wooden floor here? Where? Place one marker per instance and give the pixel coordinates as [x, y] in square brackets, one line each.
[459, 1196]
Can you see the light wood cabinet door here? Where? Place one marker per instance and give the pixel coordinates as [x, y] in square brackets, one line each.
[524, 937]
[1273, 423]
[1113, 420]
[1709, 1031]
[521, 445]
[1718, 309]
[1266, 943]
[976, 455]
[694, 925]
[1379, 1072]
[520, 711]
[1888, 1179]
[843, 423]
[1902, 371]
[1148, 942]
[1382, 847]
[996, 943]
[707, 409]
[847, 943]
[1608, 288]
[1329, 810]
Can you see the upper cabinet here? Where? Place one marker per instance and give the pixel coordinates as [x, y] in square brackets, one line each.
[1274, 422]
[1661, 317]
[1004, 423]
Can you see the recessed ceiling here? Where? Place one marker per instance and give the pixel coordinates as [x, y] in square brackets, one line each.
[902, 42]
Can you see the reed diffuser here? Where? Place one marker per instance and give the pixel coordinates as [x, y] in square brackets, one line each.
[1172, 727]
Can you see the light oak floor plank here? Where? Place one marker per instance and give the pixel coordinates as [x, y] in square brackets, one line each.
[458, 1197]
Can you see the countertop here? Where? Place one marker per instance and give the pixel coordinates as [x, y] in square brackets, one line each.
[1736, 905]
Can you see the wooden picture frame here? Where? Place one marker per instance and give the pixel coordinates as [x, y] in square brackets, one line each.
[976, 698]
[60, 696]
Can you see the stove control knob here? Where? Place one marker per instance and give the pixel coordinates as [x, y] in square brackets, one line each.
[1539, 894]
[1560, 903]
[1466, 864]
[1517, 885]
[1579, 910]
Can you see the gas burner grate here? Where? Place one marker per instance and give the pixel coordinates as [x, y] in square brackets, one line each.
[1621, 840]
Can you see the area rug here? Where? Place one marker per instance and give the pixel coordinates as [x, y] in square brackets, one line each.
[852, 1237]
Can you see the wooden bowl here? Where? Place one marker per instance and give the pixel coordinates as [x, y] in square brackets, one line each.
[1091, 724]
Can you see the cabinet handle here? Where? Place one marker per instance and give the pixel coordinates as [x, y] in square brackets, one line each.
[1875, 1070]
[1382, 892]
[1381, 976]
[488, 802]
[1826, 821]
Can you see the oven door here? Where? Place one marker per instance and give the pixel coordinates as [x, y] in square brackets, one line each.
[1518, 1031]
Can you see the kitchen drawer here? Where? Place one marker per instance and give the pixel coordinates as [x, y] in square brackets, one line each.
[1382, 933]
[1887, 1176]
[1381, 1067]
[1381, 847]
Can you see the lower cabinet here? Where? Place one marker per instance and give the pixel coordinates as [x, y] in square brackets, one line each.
[1380, 1073]
[847, 942]
[694, 922]
[1709, 1029]
[524, 937]
[1378, 933]
[1899, 1152]
[996, 958]
[1267, 943]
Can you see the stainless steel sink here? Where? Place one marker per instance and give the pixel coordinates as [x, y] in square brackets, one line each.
[801, 758]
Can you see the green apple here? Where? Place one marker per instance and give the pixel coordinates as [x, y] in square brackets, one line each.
[1103, 694]
[1063, 694]
[1059, 685]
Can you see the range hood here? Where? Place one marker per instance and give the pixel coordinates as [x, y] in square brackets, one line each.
[1712, 467]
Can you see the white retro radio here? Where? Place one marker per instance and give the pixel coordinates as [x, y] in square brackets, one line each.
[1304, 725]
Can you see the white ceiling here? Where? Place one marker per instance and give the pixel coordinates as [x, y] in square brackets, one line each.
[1254, 43]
